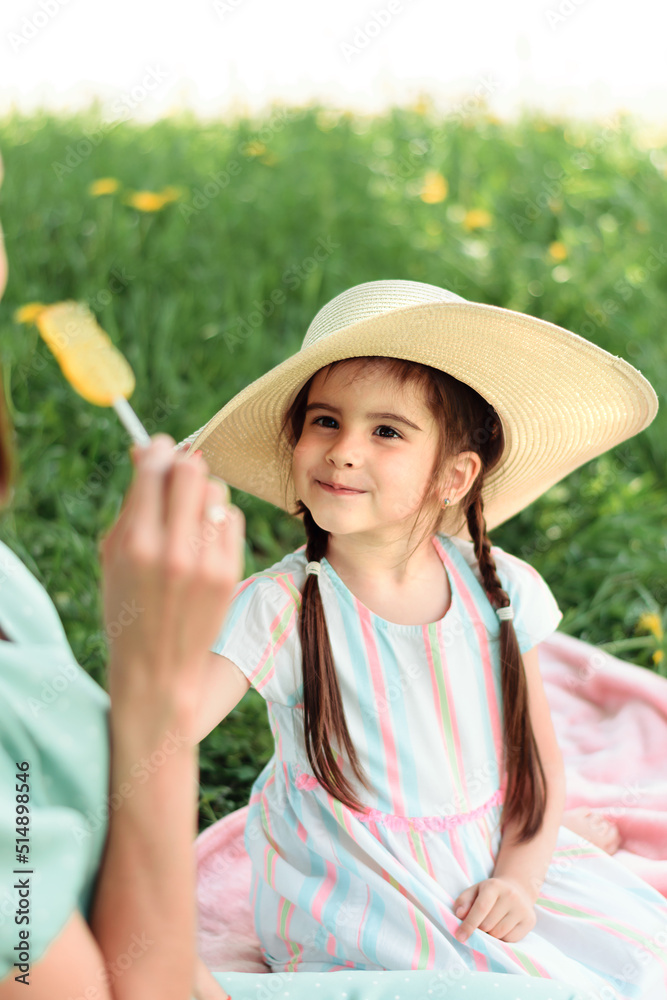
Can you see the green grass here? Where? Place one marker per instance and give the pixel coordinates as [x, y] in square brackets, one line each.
[169, 289]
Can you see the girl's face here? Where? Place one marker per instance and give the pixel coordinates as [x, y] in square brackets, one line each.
[373, 436]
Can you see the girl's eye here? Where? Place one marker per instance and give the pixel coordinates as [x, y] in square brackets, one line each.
[385, 427]
[382, 427]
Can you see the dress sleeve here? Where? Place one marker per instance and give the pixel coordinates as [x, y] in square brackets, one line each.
[261, 636]
[536, 613]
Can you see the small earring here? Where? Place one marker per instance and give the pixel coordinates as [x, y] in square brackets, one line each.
[445, 502]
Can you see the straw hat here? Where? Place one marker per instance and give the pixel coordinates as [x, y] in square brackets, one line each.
[561, 399]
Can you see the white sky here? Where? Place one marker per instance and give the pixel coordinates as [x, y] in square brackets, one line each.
[144, 57]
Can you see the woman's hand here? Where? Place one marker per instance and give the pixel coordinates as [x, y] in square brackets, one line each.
[169, 571]
[499, 906]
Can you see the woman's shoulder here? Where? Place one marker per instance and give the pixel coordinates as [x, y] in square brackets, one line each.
[42, 687]
[28, 613]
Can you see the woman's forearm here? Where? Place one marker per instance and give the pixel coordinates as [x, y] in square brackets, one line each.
[206, 985]
[143, 916]
[529, 863]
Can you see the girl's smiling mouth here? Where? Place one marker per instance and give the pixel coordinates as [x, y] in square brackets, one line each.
[341, 490]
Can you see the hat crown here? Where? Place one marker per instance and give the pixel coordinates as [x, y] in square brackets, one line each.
[372, 298]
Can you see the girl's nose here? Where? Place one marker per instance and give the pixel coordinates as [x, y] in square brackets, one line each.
[345, 450]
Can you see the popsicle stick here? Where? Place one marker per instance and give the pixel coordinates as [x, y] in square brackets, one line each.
[131, 422]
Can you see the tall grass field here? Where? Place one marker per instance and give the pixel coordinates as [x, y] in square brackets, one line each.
[206, 248]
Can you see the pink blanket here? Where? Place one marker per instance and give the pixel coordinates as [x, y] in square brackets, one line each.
[610, 718]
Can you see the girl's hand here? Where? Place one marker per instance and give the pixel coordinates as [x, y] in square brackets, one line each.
[169, 571]
[499, 906]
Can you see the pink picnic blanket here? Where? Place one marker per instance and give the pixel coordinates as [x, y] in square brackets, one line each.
[610, 718]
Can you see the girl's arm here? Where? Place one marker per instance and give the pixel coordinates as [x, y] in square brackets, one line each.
[528, 863]
[223, 686]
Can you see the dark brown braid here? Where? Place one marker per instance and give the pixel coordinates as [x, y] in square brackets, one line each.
[526, 791]
[466, 422]
[323, 715]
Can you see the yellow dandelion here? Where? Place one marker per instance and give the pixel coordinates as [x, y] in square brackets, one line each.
[254, 148]
[574, 137]
[29, 312]
[170, 193]
[328, 118]
[477, 218]
[147, 201]
[422, 105]
[105, 185]
[658, 656]
[651, 622]
[434, 189]
[557, 250]
[269, 160]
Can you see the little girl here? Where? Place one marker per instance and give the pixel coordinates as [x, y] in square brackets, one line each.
[411, 816]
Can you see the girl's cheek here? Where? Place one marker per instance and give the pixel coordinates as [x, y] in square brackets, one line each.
[299, 457]
[303, 448]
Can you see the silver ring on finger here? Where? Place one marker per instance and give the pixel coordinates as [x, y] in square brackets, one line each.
[216, 513]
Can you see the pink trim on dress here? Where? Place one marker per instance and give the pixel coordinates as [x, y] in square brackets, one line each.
[393, 822]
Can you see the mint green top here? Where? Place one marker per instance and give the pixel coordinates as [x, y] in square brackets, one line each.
[55, 717]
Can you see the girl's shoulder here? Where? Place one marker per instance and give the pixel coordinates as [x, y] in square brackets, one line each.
[283, 579]
[509, 566]
[536, 612]
[260, 632]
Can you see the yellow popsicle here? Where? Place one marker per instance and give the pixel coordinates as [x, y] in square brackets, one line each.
[95, 368]
[88, 358]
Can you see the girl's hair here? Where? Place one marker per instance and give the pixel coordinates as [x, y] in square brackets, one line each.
[465, 422]
[6, 457]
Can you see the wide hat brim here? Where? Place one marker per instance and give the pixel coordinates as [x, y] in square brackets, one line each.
[562, 400]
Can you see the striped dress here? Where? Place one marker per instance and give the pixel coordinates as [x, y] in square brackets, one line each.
[336, 889]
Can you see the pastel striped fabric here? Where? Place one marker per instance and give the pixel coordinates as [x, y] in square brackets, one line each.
[337, 889]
